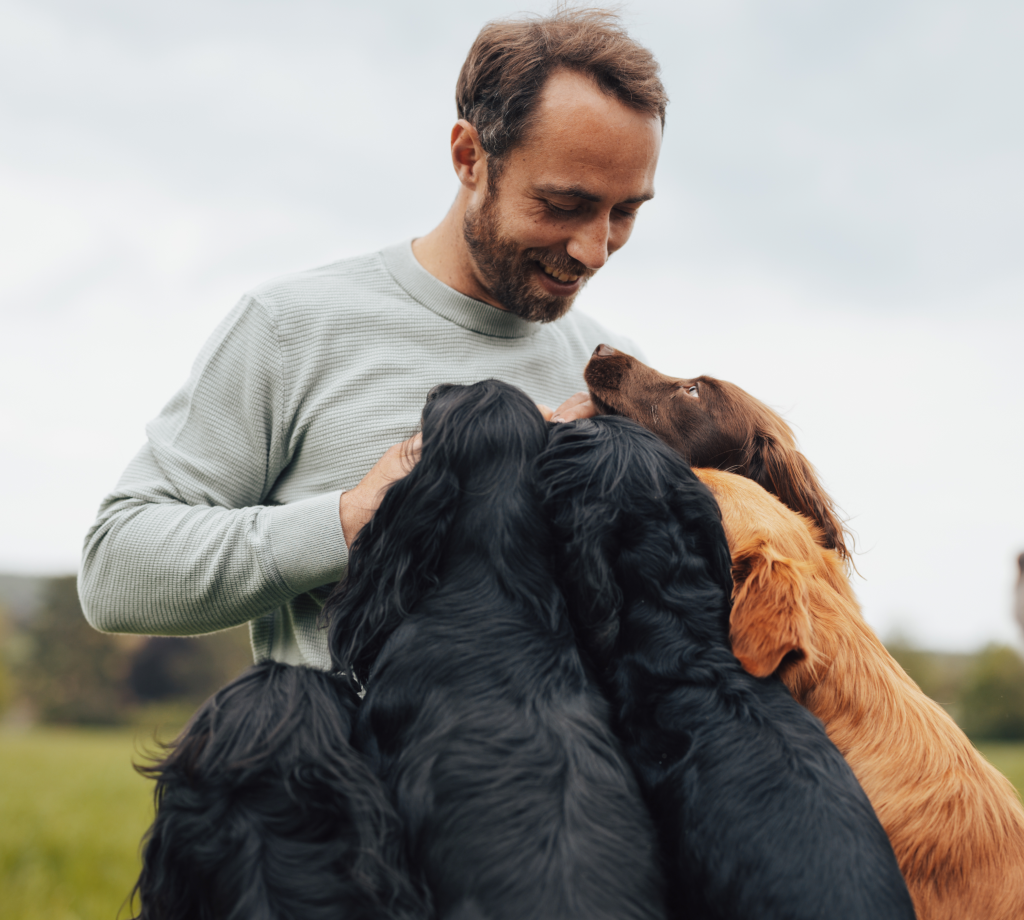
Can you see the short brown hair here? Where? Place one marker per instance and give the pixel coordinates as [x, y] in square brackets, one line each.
[511, 59]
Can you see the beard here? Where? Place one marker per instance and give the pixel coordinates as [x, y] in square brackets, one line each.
[508, 271]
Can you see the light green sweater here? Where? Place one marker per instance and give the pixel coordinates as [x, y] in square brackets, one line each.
[229, 513]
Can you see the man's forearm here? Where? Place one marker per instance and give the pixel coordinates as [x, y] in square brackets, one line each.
[157, 566]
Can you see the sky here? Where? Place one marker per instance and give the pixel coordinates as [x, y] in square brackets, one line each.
[838, 228]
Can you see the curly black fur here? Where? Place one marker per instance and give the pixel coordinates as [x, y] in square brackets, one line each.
[264, 811]
[760, 817]
[478, 714]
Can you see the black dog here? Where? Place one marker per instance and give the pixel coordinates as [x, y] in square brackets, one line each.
[760, 816]
[478, 714]
[264, 812]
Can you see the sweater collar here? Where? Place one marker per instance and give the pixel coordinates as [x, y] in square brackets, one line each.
[448, 303]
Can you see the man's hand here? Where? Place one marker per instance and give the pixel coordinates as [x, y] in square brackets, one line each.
[357, 505]
[578, 406]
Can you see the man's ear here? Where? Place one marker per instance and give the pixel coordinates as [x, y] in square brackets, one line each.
[770, 615]
[468, 156]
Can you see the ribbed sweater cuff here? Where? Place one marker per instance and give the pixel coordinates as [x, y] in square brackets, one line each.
[307, 543]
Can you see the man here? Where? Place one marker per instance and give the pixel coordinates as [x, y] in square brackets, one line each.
[254, 479]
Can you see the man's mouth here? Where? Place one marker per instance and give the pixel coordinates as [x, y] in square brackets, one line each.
[558, 275]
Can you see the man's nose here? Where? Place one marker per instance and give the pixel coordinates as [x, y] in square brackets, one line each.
[589, 244]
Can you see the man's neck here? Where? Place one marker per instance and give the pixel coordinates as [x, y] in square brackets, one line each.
[443, 252]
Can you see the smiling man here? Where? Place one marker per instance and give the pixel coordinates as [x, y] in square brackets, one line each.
[533, 223]
[259, 473]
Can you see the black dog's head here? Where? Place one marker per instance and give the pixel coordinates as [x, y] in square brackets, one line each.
[633, 526]
[480, 433]
[479, 442]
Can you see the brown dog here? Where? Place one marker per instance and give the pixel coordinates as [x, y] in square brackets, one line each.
[713, 423]
[955, 823]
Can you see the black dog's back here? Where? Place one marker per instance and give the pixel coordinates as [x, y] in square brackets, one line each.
[264, 811]
[782, 829]
[478, 715]
[759, 815]
[511, 786]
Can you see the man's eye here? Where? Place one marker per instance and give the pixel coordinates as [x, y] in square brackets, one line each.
[555, 207]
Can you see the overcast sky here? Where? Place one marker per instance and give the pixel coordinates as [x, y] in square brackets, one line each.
[838, 228]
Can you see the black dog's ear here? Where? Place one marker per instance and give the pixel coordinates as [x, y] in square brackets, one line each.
[392, 562]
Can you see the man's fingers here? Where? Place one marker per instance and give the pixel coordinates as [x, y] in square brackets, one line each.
[545, 411]
[398, 460]
[411, 451]
[578, 406]
[358, 504]
[571, 403]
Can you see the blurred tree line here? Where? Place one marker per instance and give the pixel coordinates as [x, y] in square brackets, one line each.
[984, 692]
[56, 668]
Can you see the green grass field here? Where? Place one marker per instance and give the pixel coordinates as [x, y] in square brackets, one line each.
[1008, 759]
[72, 811]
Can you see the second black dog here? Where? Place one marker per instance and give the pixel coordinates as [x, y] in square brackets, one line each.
[264, 811]
[478, 714]
[760, 817]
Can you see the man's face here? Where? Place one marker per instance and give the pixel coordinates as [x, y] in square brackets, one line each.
[565, 200]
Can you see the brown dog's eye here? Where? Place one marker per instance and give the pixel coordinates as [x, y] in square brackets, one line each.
[692, 391]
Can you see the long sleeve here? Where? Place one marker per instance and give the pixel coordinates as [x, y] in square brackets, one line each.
[229, 513]
[186, 543]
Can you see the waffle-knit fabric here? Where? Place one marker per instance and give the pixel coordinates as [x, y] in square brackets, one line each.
[229, 513]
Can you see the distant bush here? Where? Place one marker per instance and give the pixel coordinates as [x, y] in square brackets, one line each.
[168, 668]
[73, 673]
[992, 699]
[6, 678]
[67, 672]
[939, 674]
[983, 691]
[922, 667]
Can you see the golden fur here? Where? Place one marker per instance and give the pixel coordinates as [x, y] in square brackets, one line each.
[955, 823]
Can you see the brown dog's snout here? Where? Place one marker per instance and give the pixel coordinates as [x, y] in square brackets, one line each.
[603, 375]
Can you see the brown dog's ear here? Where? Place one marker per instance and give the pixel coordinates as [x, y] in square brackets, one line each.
[787, 474]
[770, 617]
